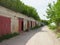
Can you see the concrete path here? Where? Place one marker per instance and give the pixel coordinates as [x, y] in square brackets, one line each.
[41, 36]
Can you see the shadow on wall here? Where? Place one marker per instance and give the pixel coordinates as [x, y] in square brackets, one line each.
[23, 38]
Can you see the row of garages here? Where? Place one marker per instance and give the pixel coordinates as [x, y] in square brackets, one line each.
[11, 22]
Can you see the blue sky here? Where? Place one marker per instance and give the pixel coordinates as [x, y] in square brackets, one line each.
[39, 5]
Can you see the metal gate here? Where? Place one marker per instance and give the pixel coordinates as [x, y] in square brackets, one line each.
[28, 25]
[20, 24]
[5, 25]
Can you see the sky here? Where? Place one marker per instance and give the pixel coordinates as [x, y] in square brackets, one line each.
[40, 5]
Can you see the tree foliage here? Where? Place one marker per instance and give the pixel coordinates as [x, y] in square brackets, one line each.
[18, 6]
[45, 22]
[53, 13]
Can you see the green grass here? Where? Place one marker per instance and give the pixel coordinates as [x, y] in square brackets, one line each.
[26, 30]
[8, 36]
[36, 27]
[52, 27]
[58, 35]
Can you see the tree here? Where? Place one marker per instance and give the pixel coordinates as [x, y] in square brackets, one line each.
[18, 6]
[53, 13]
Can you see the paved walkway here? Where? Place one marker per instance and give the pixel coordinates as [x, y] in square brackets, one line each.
[41, 36]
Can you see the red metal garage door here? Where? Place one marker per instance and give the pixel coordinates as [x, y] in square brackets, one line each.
[31, 24]
[5, 25]
[20, 24]
[28, 25]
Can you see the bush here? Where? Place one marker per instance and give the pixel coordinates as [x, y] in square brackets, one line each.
[8, 36]
[52, 27]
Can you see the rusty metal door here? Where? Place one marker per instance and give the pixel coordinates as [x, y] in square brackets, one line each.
[28, 25]
[5, 25]
[20, 24]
